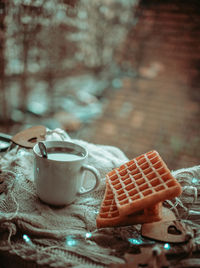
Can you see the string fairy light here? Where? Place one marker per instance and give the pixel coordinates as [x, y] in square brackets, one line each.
[26, 238]
[135, 241]
[167, 246]
[88, 235]
[71, 241]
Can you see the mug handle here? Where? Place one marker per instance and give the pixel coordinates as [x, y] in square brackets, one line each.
[97, 178]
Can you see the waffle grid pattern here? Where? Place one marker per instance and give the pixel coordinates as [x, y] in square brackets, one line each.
[135, 192]
[109, 213]
[142, 182]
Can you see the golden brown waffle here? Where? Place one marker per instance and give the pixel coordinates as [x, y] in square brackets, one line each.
[109, 214]
[142, 182]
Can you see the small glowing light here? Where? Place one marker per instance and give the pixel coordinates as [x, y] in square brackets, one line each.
[71, 241]
[135, 241]
[195, 180]
[26, 238]
[88, 235]
[167, 246]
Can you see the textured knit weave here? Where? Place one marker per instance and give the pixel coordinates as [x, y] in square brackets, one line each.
[67, 236]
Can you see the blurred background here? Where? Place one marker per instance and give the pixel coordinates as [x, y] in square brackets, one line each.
[115, 72]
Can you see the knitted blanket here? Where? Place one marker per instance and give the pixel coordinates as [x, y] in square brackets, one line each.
[67, 236]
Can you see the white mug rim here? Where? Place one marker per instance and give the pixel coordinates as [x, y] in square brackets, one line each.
[59, 144]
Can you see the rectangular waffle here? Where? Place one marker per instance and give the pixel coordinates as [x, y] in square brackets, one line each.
[142, 182]
[109, 214]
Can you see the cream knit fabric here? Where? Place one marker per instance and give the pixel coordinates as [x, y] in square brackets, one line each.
[67, 236]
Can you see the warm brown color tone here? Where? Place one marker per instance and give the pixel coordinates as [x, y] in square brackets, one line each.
[135, 191]
[29, 137]
[109, 214]
[159, 107]
[142, 182]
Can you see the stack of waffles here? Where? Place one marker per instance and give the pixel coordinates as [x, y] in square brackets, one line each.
[135, 192]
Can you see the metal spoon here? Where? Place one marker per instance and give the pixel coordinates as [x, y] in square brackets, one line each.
[43, 149]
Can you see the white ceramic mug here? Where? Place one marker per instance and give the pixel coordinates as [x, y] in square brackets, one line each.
[59, 178]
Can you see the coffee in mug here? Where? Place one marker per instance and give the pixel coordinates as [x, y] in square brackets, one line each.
[64, 154]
